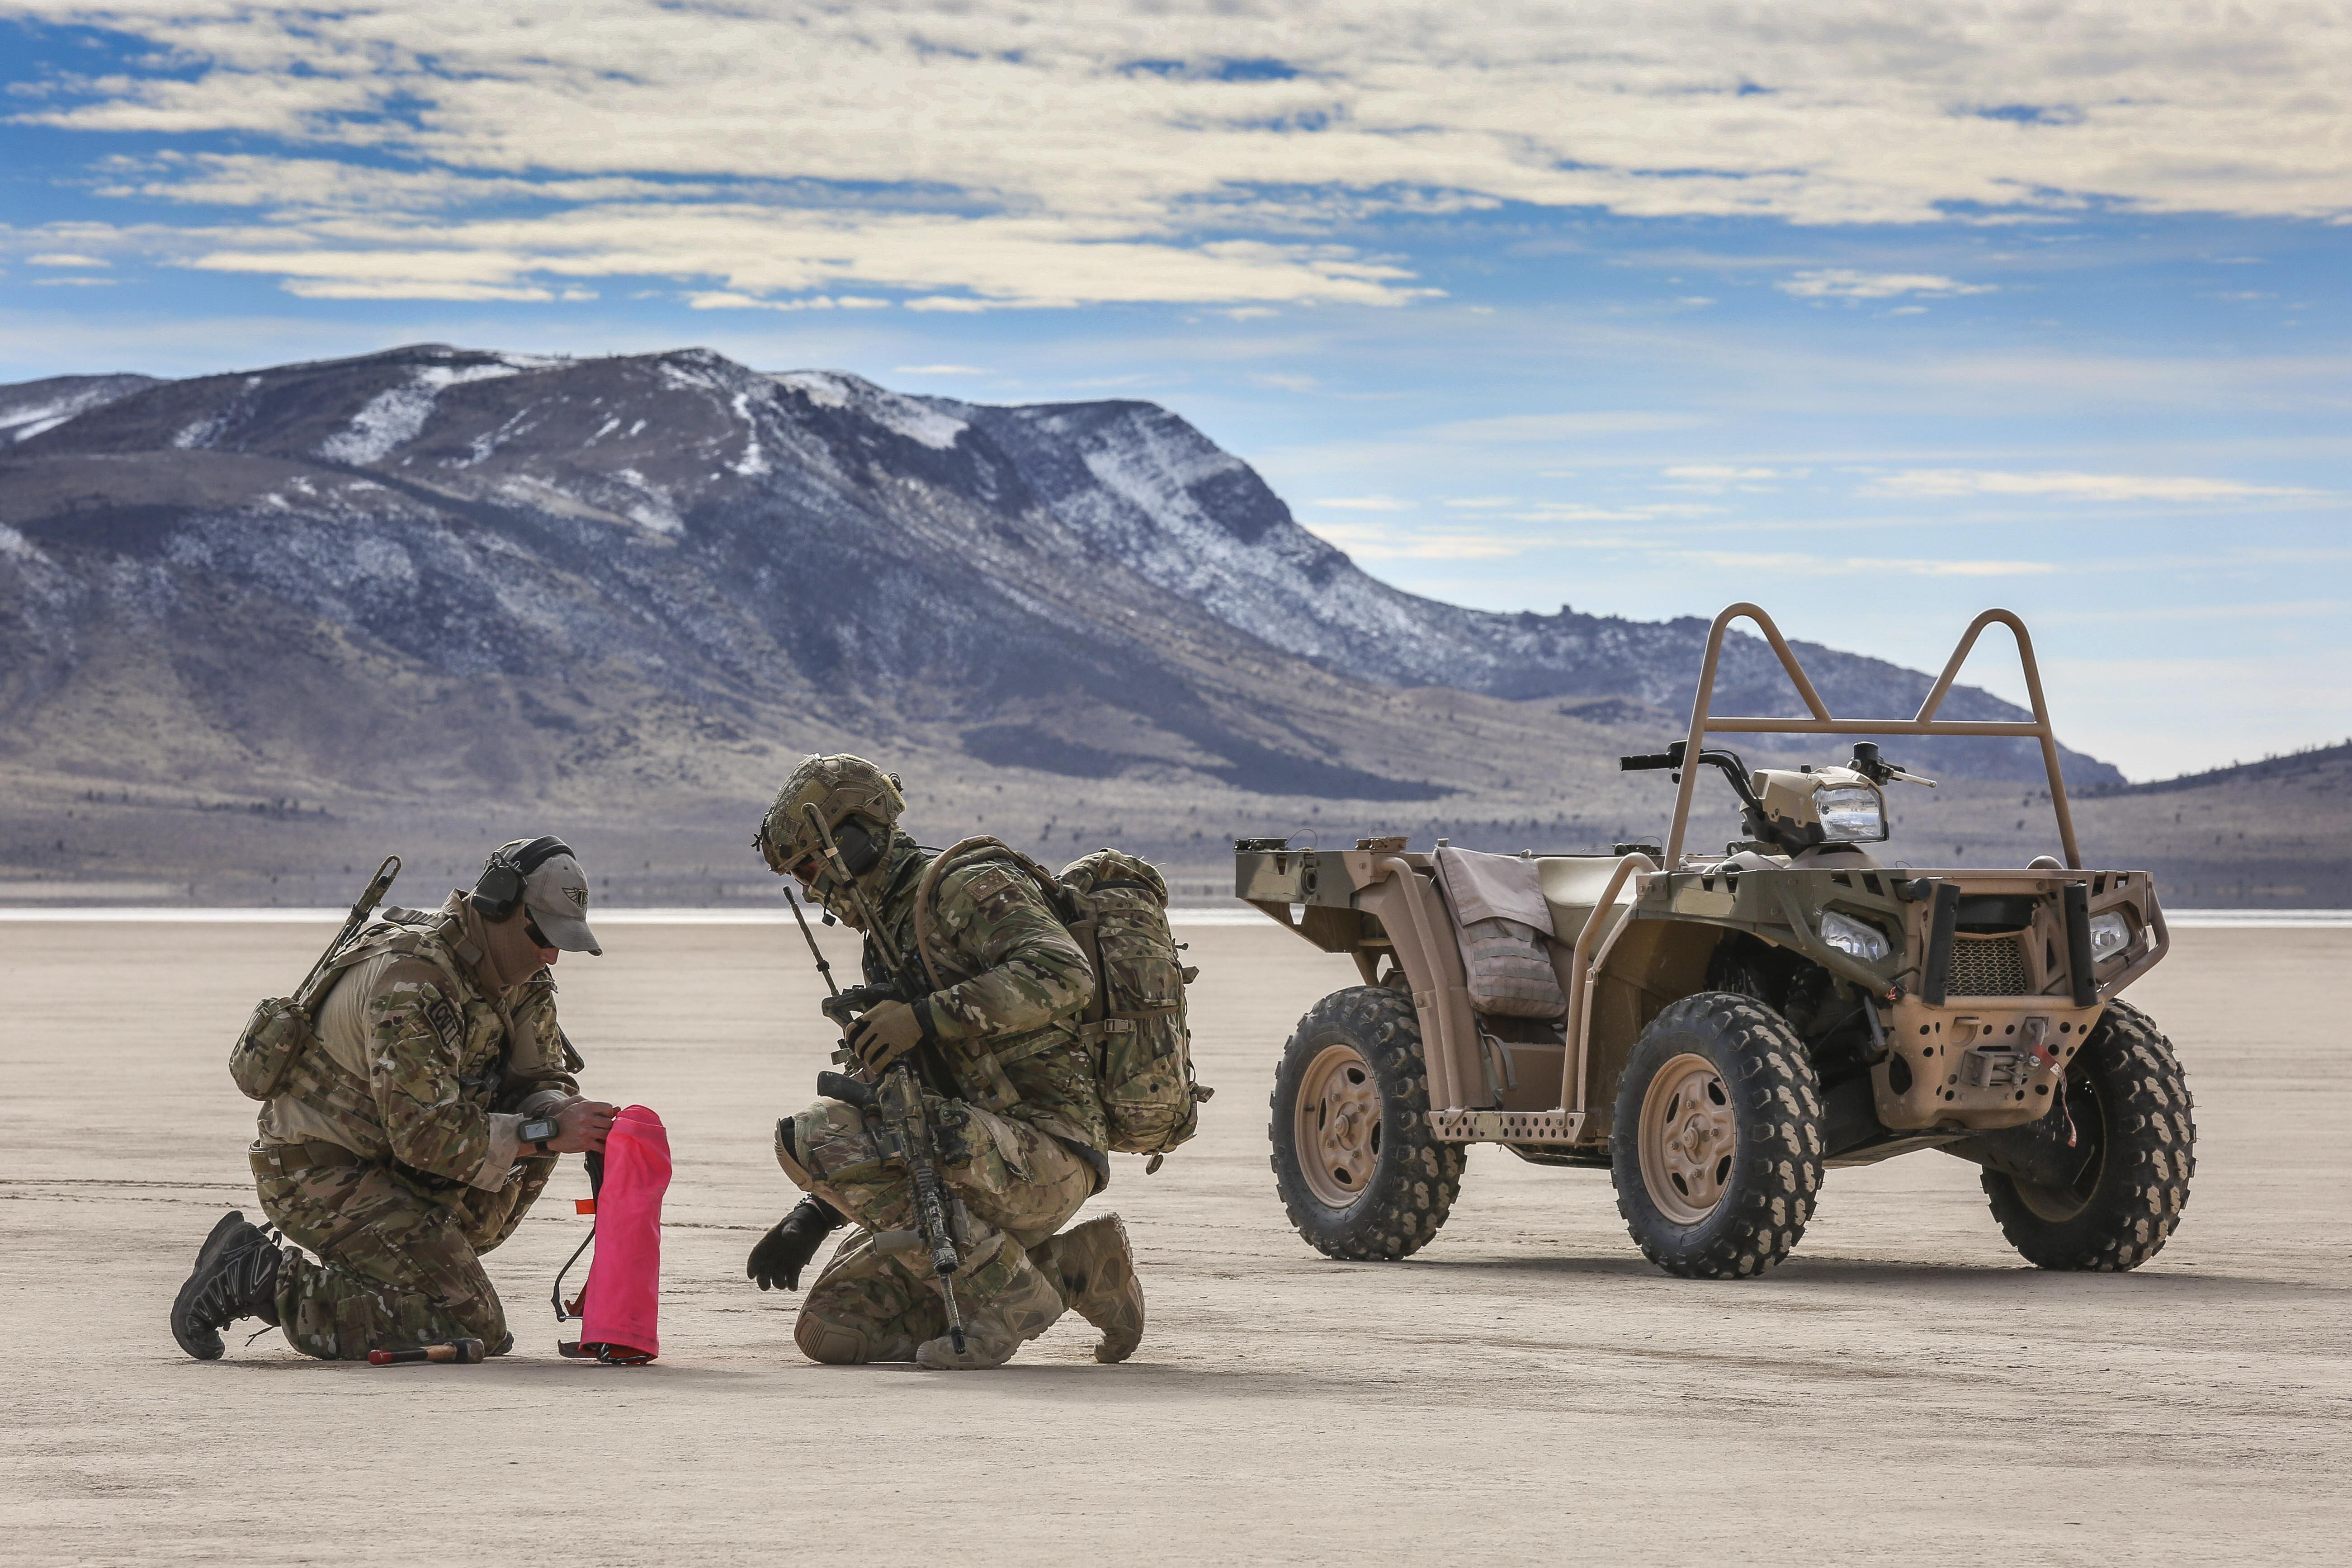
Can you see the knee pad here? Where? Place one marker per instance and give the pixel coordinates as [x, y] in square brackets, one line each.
[486, 1322]
[787, 1156]
[828, 1344]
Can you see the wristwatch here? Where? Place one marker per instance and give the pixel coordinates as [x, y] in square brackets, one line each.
[540, 1130]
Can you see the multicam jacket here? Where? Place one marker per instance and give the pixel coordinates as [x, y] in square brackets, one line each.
[1013, 982]
[418, 1066]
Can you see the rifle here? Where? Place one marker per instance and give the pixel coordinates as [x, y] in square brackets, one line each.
[372, 895]
[280, 1031]
[908, 1136]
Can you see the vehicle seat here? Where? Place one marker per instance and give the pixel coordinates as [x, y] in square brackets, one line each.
[1572, 886]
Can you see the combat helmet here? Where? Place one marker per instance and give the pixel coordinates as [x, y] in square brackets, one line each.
[844, 790]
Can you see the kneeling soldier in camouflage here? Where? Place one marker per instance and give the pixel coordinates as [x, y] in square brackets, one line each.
[413, 1134]
[1010, 1087]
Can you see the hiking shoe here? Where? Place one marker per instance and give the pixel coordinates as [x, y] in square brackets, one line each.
[235, 1276]
[1095, 1267]
[999, 1324]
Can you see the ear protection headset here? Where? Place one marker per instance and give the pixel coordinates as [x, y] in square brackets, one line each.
[860, 849]
[498, 891]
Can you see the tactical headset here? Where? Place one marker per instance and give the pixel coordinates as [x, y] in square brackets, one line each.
[861, 851]
[498, 891]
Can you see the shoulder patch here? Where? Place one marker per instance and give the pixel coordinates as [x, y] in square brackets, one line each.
[446, 1022]
[991, 881]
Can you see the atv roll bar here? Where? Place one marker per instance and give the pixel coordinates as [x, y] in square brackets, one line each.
[1582, 970]
[1704, 722]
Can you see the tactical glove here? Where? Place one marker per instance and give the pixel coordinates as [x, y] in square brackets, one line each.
[785, 1251]
[889, 1031]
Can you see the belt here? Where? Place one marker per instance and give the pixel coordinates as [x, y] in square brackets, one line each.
[286, 1158]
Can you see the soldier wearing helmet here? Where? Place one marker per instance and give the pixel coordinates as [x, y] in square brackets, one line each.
[415, 1130]
[988, 985]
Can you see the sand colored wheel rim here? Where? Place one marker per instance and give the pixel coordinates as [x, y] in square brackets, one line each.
[1337, 1128]
[1688, 1139]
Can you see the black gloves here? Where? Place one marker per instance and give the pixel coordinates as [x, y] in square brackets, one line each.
[785, 1251]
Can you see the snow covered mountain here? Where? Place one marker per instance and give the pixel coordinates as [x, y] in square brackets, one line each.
[1152, 493]
[435, 569]
[29, 407]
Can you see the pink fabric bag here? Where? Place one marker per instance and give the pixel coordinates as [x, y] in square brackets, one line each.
[619, 1305]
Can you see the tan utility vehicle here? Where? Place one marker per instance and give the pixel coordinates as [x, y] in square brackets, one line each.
[1719, 1029]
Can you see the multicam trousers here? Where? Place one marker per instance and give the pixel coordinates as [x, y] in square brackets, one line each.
[397, 1269]
[1014, 1186]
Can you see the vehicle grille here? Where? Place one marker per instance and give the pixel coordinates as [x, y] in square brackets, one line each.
[1988, 965]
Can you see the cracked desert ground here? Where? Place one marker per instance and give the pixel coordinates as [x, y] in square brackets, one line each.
[1902, 1390]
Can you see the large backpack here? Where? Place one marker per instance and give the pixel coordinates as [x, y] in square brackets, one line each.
[1116, 905]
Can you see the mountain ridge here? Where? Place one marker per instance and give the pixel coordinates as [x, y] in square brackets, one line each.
[258, 625]
[1156, 522]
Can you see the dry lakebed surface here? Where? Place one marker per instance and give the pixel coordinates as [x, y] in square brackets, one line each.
[1904, 1389]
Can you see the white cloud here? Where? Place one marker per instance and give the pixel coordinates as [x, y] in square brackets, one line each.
[1852, 565]
[1725, 472]
[65, 259]
[755, 251]
[1845, 283]
[2072, 487]
[1560, 427]
[1715, 478]
[724, 299]
[1372, 541]
[939, 369]
[1364, 503]
[871, 131]
[1578, 511]
[2169, 614]
[394, 288]
[1282, 383]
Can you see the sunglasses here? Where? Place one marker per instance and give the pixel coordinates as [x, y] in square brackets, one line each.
[531, 928]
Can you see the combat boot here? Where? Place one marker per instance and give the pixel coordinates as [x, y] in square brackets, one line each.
[235, 1276]
[998, 1324]
[1095, 1267]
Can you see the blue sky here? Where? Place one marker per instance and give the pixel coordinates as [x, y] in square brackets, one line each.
[1874, 317]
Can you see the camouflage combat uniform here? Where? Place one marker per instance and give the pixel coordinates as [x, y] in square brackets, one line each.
[1020, 1118]
[392, 1153]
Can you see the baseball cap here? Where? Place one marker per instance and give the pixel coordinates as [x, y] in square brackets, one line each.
[555, 891]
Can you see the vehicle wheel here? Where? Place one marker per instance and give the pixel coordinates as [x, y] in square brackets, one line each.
[2132, 1117]
[1360, 1173]
[1717, 1146]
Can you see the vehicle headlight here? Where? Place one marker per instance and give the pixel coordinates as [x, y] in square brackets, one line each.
[1851, 813]
[2110, 934]
[1852, 938]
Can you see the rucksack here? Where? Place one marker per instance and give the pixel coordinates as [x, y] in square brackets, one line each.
[1116, 905]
